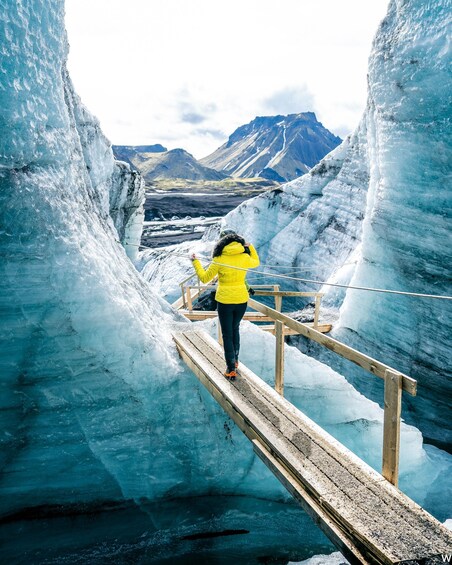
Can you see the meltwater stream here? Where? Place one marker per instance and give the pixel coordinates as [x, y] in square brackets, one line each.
[211, 529]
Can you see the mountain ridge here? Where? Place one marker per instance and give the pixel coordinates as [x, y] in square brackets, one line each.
[134, 153]
[278, 147]
[165, 165]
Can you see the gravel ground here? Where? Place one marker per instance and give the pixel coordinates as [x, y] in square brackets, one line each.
[175, 217]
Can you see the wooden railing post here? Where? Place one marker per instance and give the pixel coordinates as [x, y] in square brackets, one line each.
[318, 299]
[182, 288]
[279, 357]
[189, 301]
[220, 334]
[391, 426]
[277, 301]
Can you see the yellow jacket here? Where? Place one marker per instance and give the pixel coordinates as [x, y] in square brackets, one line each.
[231, 282]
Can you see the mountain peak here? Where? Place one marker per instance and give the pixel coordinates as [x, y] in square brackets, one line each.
[274, 147]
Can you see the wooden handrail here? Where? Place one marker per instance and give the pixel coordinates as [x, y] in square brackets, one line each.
[292, 293]
[368, 363]
[269, 293]
[394, 381]
[286, 293]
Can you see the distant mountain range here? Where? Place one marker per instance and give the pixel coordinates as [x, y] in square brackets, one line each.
[277, 148]
[156, 163]
[274, 147]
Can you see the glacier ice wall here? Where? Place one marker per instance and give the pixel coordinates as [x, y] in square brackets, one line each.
[69, 296]
[376, 212]
[118, 190]
[407, 227]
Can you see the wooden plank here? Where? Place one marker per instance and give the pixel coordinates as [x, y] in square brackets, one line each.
[322, 327]
[314, 510]
[216, 392]
[211, 364]
[391, 426]
[201, 289]
[188, 297]
[181, 302]
[372, 365]
[279, 358]
[192, 293]
[236, 409]
[254, 426]
[298, 418]
[196, 315]
[349, 518]
[232, 402]
[185, 290]
[439, 536]
[278, 299]
[287, 293]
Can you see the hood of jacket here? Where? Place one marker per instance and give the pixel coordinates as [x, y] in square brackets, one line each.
[234, 248]
[231, 244]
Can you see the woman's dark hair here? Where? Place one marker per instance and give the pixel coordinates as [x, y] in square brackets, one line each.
[226, 240]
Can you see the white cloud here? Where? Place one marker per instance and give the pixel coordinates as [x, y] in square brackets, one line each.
[164, 72]
[290, 100]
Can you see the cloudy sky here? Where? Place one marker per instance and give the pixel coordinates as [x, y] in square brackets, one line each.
[187, 73]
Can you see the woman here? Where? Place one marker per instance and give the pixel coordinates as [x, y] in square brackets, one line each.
[232, 294]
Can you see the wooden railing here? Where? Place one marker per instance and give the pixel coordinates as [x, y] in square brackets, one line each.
[279, 294]
[191, 292]
[395, 381]
[186, 299]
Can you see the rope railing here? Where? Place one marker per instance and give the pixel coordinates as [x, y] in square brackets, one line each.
[312, 281]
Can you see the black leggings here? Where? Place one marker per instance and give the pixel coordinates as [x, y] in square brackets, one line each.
[230, 316]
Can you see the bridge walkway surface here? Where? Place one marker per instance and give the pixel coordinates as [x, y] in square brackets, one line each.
[365, 516]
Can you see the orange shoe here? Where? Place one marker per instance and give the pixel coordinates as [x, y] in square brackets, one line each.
[230, 375]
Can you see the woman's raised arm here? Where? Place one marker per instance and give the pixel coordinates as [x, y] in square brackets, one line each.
[254, 257]
[204, 275]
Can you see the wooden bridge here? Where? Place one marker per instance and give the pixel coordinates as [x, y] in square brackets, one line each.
[368, 519]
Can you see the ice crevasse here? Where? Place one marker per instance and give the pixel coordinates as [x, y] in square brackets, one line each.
[95, 405]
